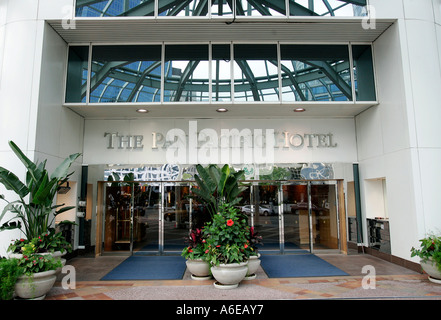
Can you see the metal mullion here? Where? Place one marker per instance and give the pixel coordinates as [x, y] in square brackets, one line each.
[161, 221]
[281, 219]
[89, 73]
[337, 209]
[210, 72]
[311, 230]
[279, 70]
[351, 67]
[162, 71]
[132, 213]
[232, 71]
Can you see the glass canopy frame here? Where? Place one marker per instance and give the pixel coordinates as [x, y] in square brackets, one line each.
[219, 8]
[220, 73]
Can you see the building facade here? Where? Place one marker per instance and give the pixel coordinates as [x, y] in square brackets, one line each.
[330, 107]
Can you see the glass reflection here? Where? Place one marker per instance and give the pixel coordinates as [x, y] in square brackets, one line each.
[264, 210]
[363, 73]
[255, 72]
[219, 8]
[324, 211]
[126, 74]
[176, 217]
[221, 72]
[315, 73]
[186, 73]
[296, 217]
[77, 70]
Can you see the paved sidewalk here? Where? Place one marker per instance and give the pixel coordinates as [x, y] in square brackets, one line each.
[391, 282]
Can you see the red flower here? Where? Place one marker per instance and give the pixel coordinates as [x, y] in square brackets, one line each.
[218, 246]
[230, 223]
[206, 251]
[245, 246]
[190, 250]
[22, 240]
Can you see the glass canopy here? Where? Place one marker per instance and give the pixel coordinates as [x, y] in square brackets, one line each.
[213, 73]
[220, 8]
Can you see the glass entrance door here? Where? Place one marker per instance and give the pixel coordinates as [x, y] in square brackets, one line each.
[176, 217]
[324, 211]
[146, 208]
[265, 214]
[296, 218]
[155, 217]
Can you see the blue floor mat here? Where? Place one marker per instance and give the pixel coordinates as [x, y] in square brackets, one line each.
[298, 265]
[148, 268]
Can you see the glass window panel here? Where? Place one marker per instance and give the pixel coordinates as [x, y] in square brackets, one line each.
[111, 8]
[221, 8]
[186, 73]
[255, 72]
[77, 69]
[327, 8]
[221, 72]
[363, 73]
[183, 8]
[260, 8]
[121, 72]
[315, 73]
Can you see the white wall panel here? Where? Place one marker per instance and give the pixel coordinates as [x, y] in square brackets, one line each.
[425, 79]
[430, 170]
[21, 10]
[395, 134]
[418, 9]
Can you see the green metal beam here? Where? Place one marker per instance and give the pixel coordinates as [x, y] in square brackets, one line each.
[333, 76]
[246, 70]
[188, 72]
[138, 84]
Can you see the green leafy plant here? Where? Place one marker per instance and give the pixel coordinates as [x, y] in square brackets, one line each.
[216, 186]
[34, 210]
[9, 273]
[430, 248]
[35, 263]
[227, 236]
[197, 246]
[254, 239]
[50, 241]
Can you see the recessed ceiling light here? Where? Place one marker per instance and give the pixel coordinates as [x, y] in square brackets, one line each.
[299, 109]
[222, 110]
[142, 110]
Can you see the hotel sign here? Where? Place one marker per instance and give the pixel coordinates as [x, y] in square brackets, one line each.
[220, 146]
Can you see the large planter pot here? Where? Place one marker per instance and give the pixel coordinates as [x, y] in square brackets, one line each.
[35, 286]
[56, 255]
[253, 265]
[432, 270]
[199, 269]
[228, 276]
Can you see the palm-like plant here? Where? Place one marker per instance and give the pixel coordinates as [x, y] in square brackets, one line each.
[33, 210]
[217, 186]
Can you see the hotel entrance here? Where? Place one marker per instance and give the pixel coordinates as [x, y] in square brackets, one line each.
[295, 216]
[142, 218]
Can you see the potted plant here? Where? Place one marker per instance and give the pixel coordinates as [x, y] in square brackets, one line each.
[227, 237]
[196, 255]
[39, 276]
[254, 255]
[430, 255]
[34, 210]
[216, 186]
[9, 273]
